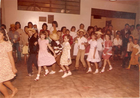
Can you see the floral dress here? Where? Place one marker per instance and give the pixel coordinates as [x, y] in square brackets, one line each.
[65, 54]
[6, 72]
[107, 52]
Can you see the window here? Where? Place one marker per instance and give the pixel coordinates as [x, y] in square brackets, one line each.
[59, 6]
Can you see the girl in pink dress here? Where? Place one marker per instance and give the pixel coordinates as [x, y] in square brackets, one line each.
[44, 57]
[7, 66]
[107, 52]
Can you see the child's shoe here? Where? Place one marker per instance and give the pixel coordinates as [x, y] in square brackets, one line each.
[52, 72]
[37, 78]
[46, 72]
[65, 75]
[60, 70]
[69, 73]
[102, 70]
[96, 71]
[110, 68]
[89, 70]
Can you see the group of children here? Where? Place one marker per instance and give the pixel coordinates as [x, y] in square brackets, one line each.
[48, 48]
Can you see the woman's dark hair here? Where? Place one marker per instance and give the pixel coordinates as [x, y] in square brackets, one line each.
[99, 29]
[30, 23]
[44, 24]
[90, 27]
[55, 22]
[82, 24]
[118, 32]
[62, 28]
[67, 30]
[131, 37]
[109, 31]
[72, 28]
[4, 34]
[3, 26]
[18, 23]
[126, 24]
[132, 26]
[44, 33]
[137, 25]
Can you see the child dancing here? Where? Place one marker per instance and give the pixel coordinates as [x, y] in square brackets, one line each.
[93, 55]
[7, 66]
[135, 54]
[107, 52]
[65, 59]
[44, 58]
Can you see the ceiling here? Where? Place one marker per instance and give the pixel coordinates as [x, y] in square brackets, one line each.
[131, 2]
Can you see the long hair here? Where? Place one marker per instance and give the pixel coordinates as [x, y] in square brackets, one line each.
[62, 28]
[44, 24]
[18, 23]
[73, 27]
[30, 23]
[4, 34]
[55, 22]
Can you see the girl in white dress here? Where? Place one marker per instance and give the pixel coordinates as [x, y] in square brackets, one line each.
[93, 55]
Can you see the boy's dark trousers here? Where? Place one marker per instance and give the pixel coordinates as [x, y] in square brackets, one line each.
[32, 60]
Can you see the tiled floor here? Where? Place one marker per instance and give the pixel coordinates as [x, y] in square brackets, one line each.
[116, 83]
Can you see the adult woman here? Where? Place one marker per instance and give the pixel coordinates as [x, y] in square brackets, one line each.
[54, 27]
[24, 42]
[7, 66]
[45, 28]
[63, 30]
[18, 28]
[30, 25]
[90, 30]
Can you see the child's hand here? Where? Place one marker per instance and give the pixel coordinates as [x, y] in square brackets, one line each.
[14, 70]
[35, 43]
[54, 55]
[82, 43]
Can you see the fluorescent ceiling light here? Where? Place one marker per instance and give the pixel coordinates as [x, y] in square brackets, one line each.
[112, 0]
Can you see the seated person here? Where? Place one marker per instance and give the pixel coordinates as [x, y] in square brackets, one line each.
[117, 45]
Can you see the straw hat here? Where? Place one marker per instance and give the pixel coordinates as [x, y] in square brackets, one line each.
[30, 29]
[12, 26]
[98, 32]
[54, 36]
[81, 30]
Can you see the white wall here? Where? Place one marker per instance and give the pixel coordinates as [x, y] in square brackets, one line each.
[118, 23]
[11, 14]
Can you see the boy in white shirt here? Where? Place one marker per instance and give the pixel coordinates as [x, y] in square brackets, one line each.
[117, 45]
[82, 41]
